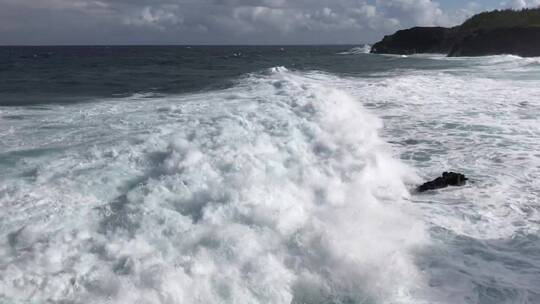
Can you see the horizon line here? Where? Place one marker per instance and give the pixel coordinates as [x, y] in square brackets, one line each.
[182, 45]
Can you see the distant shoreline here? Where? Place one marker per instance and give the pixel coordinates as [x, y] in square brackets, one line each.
[490, 33]
[187, 45]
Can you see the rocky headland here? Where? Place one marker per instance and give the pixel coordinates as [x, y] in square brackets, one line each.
[489, 33]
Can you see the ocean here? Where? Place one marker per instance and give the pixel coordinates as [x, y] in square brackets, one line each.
[276, 174]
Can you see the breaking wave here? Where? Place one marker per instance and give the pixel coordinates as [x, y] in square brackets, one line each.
[277, 190]
[365, 49]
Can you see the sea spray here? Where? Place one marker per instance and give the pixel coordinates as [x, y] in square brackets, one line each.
[277, 190]
[365, 49]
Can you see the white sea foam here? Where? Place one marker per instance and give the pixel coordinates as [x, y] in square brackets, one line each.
[493, 63]
[480, 119]
[278, 190]
[365, 49]
[484, 127]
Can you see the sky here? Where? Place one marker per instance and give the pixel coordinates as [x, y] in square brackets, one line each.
[192, 22]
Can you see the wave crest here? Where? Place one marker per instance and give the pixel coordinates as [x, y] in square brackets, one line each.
[276, 191]
[365, 49]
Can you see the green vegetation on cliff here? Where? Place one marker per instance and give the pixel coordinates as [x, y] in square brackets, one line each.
[490, 33]
[503, 19]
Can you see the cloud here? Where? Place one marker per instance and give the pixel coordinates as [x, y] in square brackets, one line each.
[213, 21]
[420, 12]
[520, 4]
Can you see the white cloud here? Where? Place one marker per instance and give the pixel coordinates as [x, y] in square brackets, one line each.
[422, 12]
[219, 21]
[520, 4]
[156, 17]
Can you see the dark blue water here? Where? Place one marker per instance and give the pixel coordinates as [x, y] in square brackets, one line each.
[32, 75]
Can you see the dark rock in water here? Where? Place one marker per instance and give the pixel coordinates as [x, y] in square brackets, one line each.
[447, 179]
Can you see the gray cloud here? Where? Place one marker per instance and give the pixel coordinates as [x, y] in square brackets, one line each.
[213, 21]
[519, 4]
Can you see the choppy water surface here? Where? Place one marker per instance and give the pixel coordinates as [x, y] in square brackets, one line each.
[266, 175]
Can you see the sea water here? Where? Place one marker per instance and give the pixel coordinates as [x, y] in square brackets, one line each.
[266, 175]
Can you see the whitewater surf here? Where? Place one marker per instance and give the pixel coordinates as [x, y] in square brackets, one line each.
[288, 182]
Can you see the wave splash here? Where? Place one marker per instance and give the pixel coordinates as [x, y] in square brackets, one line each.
[278, 190]
[365, 49]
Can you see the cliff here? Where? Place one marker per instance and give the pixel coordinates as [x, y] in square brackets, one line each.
[521, 41]
[490, 33]
[417, 40]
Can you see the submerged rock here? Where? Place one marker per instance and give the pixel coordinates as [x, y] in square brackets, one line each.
[447, 179]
